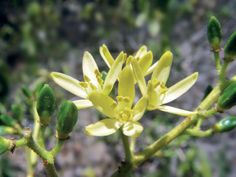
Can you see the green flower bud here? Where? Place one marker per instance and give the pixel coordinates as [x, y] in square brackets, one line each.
[6, 130]
[26, 92]
[230, 48]
[225, 125]
[38, 88]
[45, 104]
[228, 98]
[5, 145]
[17, 111]
[66, 120]
[214, 33]
[8, 120]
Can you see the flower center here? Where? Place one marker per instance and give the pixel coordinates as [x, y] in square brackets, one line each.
[160, 86]
[125, 115]
[157, 92]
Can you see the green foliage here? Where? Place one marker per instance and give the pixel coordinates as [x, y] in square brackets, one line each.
[45, 104]
[6, 167]
[17, 111]
[66, 119]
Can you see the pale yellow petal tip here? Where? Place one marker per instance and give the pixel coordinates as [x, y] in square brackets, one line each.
[129, 59]
[194, 76]
[87, 54]
[122, 56]
[168, 54]
[87, 132]
[54, 74]
[150, 53]
[143, 47]
[103, 47]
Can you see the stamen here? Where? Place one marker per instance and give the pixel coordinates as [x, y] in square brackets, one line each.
[123, 99]
[92, 86]
[83, 84]
[86, 78]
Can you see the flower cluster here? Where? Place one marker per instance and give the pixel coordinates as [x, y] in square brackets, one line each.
[122, 111]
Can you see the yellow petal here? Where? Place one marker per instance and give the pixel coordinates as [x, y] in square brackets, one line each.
[145, 62]
[90, 69]
[113, 73]
[126, 84]
[69, 83]
[180, 88]
[176, 111]
[162, 70]
[141, 52]
[103, 128]
[139, 77]
[154, 96]
[133, 129]
[103, 103]
[82, 104]
[151, 69]
[139, 108]
[106, 55]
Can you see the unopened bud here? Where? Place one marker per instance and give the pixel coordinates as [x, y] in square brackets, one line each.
[225, 125]
[214, 33]
[9, 121]
[228, 98]
[67, 118]
[230, 48]
[5, 145]
[45, 104]
[17, 111]
[26, 92]
[4, 130]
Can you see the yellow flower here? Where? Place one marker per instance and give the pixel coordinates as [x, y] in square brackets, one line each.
[121, 113]
[92, 79]
[143, 57]
[156, 90]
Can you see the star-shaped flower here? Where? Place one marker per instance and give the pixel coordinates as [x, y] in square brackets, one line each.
[92, 79]
[121, 114]
[157, 92]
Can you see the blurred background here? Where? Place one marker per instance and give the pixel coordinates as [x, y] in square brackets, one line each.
[40, 36]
